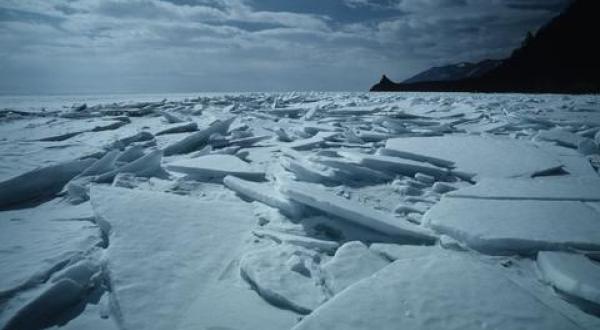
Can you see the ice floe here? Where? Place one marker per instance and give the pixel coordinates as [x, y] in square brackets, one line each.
[264, 193]
[435, 293]
[342, 208]
[179, 128]
[315, 141]
[483, 156]
[516, 226]
[147, 165]
[216, 166]
[326, 246]
[547, 188]
[32, 276]
[573, 275]
[39, 183]
[57, 243]
[199, 139]
[352, 262]
[178, 267]
[561, 137]
[394, 252]
[285, 277]
[399, 166]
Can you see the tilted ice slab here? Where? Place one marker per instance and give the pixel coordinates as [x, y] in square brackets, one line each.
[145, 166]
[178, 128]
[20, 157]
[561, 137]
[264, 193]
[546, 188]
[447, 292]
[41, 182]
[37, 242]
[574, 276]
[105, 164]
[417, 157]
[171, 117]
[312, 142]
[484, 156]
[397, 165]
[516, 226]
[308, 171]
[167, 256]
[60, 296]
[352, 170]
[216, 166]
[396, 251]
[199, 139]
[326, 246]
[340, 207]
[352, 262]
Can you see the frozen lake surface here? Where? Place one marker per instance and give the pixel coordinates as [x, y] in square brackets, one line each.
[300, 211]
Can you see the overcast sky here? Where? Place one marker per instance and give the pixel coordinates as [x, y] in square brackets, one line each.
[108, 46]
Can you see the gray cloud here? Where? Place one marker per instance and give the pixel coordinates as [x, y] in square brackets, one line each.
[216, 45]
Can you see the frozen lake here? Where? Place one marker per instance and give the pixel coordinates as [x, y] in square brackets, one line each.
[300, 211]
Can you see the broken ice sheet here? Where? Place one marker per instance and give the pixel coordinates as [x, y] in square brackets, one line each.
[56, 242]
[179, 262]
[285, 276]
[516, 226]
[484, 156]
[574, 276]
[265, 193]
[167, 253]
[352, 262]
[36, 244]
[561, 137]
[216, 166]
[39, 183]
[544, 188]
[363, 216]
[436, 292]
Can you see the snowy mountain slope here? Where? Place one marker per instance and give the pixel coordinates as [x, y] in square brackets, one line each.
[453, 72]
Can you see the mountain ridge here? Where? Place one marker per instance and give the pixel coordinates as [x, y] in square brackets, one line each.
[560, 58]
[453, 72]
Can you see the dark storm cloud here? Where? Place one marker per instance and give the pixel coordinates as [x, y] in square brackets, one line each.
[551, 5]
[160, 45]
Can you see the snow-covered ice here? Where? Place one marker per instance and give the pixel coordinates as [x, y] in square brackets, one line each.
[300, 211]
[483, 156]
[551, 188]
[147, 165]
[573, 275]
[157, 273]
[435, 293]
[265, 193]
[342, 208]
[39, 183]
[399, 166]
[352, 262]
[394, 252]
[216, 166]
[499, 226]
[285, 277]
[199, 139]
[178, 128]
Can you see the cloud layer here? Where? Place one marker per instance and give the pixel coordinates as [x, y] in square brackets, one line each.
[95, 46]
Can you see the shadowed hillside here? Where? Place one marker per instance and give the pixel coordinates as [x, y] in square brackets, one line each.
[562, 57]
